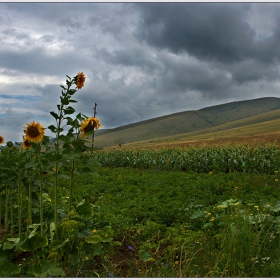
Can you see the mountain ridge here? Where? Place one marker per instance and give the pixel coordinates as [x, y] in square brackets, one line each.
[192, 121]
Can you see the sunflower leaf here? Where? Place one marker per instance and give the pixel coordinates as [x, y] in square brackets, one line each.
[8, 269]
[75, 124]
[52, 128]
[35, 242]
[69, 110]
[71, 91]
[79, 117]
[69, 121]
[55, 115]
[64, 100]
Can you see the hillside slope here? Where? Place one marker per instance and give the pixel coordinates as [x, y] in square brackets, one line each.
[196, 122]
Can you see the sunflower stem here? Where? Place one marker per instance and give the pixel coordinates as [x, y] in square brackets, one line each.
[59, 122]
[19, 206]
[7, 208]
[41, 201]
[29, 219]
[41, 190]
[0, 208]
[71, 186]
[55, 203]
[12, 217]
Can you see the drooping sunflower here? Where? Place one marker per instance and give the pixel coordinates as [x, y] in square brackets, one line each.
[80, 80]
[1, 140]
[89, 125]
[25, 144]
[34, 132]
[10, 144]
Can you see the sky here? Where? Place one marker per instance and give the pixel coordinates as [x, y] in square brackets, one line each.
[141, 60]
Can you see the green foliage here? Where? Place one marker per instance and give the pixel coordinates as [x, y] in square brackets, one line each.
[8, 269]
[251, 159]
[44, 269]
[33, 243]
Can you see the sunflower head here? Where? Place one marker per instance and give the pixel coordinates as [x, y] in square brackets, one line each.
[1, 140]
[34, 132]
[10, 144]
[26, 144]
[89, 125]
[80, 80]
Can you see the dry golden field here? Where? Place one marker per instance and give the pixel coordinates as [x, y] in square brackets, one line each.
[246, 140]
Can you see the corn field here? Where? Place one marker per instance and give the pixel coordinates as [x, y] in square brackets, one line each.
[251, 159]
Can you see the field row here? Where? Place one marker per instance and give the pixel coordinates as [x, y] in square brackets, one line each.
[252, 159]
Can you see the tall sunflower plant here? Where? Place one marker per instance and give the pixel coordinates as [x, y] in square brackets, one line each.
[68, 148]
[70, 158]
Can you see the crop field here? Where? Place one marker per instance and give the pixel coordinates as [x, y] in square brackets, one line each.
[166, 216]
[67, 210]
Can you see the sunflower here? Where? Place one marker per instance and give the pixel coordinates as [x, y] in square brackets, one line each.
[80, 80]
[89, 125]
[26, 144]
[10, 144]
[1, 140]
[34, 132]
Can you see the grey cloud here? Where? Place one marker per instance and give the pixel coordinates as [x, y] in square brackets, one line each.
[13, 120]
[38, 61]
[117, 20]
[252, 70]
[70, 23]
[129, 57]
[47, 38]
[46, 11]
[212, 31]
[18, 35]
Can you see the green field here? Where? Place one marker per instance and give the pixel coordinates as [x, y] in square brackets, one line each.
[184, 224]
[145, 214]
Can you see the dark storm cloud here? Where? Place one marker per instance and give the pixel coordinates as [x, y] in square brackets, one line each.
[129, 57]
[214, 31]
[115, 19]
[252, 70]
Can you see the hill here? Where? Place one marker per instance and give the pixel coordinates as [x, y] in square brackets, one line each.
[195, 123]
